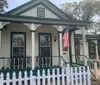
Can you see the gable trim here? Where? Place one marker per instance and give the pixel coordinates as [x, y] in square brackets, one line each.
[59, 9]
[26, 5]
[20, 7]
[40, 3]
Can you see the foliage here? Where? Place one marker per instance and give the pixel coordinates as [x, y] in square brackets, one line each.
[3, 3]
[84, 10]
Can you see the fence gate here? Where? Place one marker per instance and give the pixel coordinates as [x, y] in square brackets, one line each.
[64, 76]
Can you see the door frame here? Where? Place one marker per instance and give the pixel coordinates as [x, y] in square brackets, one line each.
[50, 43]
[24, 33]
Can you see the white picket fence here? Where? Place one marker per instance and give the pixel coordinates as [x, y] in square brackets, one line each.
[67, 76]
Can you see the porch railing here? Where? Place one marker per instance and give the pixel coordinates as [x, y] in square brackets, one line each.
[5, 62]
[42, 61]
[15, 63]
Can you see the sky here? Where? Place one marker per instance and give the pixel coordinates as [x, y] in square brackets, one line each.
[15, 3]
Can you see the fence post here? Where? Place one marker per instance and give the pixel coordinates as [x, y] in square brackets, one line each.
[14, 78]
[2, 78]
[25, 77]
[88, 76]
[80, 75]
[48, 74]
[43, 78]
[63, 76]
[20, 76]
[76, 76]
[72, 80]
[38, 76]
[53, 74]
[96, 70]
[68, 74]
[58, 76]
[84, 75]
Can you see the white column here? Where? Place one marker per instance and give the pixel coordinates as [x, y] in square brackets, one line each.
[97, 55]
[87, 49]
[33, 46]
[0, 38]
[73, 47]
[96, 70]
[84, 45]
[60, 41]
[1, 26]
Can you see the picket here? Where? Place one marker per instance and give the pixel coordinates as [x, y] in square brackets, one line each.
[19, 82]
[68, 74]
[53, 78]
[58, 77]
[80, 75]
[84, 74]
[48, 79]
[64, 76]
[72, 79]
[88, 76]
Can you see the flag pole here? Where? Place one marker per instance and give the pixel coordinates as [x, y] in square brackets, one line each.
[70, 53]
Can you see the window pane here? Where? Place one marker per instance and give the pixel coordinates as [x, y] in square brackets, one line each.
[77, 47]
[45, 40]
[45, 51]
[18, 40]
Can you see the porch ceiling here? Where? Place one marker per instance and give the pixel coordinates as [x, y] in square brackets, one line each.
[36, 20]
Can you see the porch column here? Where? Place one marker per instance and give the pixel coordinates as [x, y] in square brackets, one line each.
[60, 43]
[73, 47]
[0, 32]
[33, 46]
[84, 45]
[97, 55]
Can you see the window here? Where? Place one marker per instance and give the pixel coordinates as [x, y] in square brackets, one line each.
[18, 49]
[45, 49]
[45, 45]
[92, 49]
[77, 47]
[41, 12]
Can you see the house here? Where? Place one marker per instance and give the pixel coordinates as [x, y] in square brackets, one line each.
[92, 46]
[31, 36]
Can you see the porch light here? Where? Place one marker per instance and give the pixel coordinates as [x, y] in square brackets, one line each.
[55, 39]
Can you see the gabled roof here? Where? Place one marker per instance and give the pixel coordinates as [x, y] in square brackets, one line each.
[33, 3]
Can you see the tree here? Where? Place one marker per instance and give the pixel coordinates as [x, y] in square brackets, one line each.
[84, 10]
[3, 3]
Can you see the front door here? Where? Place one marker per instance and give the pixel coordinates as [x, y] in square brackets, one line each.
[18, 50]
[45, 53]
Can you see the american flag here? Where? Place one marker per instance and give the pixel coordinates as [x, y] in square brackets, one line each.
[66, 42]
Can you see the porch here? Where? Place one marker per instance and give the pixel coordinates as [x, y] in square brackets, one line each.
[30, 49]
[24, 37]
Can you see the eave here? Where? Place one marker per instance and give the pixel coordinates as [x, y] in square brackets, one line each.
[49, 21]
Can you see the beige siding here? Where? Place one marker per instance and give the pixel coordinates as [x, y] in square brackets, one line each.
[33, 12]
[6, 37]
[53, 31]
[6, 40]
